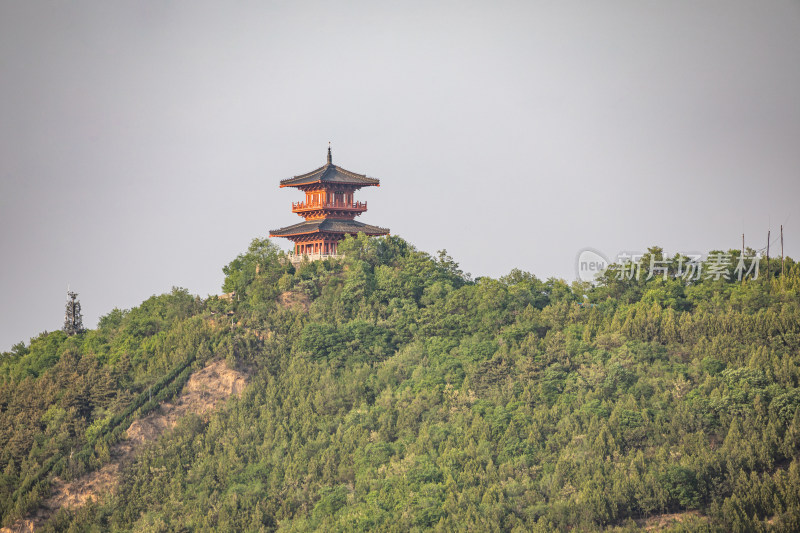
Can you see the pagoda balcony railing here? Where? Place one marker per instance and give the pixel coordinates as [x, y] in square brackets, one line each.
[358, 206]
[299, 258]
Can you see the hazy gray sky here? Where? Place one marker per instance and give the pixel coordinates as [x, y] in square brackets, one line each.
[141, 143]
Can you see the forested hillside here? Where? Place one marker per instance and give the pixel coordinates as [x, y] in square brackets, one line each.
[391, 392]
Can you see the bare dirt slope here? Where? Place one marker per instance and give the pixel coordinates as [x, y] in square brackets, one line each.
[204, 391]
[663, 521]
[291, 299]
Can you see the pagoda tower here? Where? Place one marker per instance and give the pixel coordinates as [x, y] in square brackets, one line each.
[329, 210]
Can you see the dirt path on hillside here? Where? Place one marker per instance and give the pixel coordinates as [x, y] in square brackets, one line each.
[204, 391]
[663, 521]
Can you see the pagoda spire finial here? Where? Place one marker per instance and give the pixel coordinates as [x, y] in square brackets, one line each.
[330, 157]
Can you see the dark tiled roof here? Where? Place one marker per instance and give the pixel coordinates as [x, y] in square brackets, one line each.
[330, 173]
[328, 225]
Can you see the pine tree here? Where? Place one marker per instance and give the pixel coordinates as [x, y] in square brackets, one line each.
[73, 320]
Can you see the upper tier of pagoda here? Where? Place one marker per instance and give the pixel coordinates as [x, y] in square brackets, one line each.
[330, 174]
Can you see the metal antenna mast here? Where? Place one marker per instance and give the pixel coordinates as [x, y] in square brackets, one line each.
[73, 320]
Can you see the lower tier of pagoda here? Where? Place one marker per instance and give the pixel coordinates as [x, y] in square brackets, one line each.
[321, 237]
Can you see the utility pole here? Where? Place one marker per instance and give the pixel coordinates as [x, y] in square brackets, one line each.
[742, 258]
[768, 255]
[783, 259]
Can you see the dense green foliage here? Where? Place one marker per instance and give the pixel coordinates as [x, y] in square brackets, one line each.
[391, 392]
